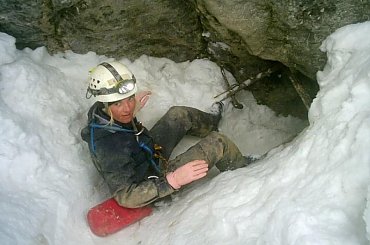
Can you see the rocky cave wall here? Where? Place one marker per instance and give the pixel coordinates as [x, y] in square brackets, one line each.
[245, 37]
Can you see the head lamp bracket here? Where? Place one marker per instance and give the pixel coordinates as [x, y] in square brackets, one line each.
[123, 86]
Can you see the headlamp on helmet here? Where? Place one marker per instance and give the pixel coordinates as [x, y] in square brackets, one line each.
[122, 87]
[111, 82]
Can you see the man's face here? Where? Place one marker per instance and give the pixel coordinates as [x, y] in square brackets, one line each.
[123, 110]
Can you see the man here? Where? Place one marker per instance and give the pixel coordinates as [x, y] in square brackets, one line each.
[134, 161]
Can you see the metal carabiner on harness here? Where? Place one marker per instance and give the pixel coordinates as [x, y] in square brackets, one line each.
[140, 132]
[151, 155]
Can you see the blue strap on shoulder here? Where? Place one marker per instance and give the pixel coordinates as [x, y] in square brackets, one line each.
[93, 126]
[116, 128]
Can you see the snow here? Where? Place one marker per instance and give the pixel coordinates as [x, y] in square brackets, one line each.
[312, 188]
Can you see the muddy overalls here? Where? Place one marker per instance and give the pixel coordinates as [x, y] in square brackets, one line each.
[127, 156]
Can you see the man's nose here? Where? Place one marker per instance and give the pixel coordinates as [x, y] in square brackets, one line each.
[125, 106]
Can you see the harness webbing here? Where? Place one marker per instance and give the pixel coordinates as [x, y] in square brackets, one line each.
[142, 145]
[151, 154]
[106, 127]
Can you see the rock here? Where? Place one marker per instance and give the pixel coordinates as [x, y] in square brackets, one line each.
[246, 37]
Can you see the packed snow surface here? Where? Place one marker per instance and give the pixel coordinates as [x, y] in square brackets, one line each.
[312, 188]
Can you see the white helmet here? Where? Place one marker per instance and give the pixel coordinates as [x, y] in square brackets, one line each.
[111, 81]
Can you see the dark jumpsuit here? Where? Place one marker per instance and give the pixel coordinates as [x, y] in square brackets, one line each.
[125, 158]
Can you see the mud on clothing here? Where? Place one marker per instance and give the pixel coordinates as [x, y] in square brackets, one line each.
[123, 160]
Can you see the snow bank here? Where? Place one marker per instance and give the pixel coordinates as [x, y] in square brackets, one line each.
[313, 190]
[310, 191]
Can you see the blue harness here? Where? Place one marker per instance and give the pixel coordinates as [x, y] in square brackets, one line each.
[142, 145]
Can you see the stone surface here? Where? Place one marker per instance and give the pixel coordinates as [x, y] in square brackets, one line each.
[246, 37]
[286, 31]
[129, 28]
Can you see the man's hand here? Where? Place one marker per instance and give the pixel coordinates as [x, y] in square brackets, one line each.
[187, 173]
[142, 98]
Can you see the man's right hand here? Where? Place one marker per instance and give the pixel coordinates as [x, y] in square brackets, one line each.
[187, 173]
[141, 98]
